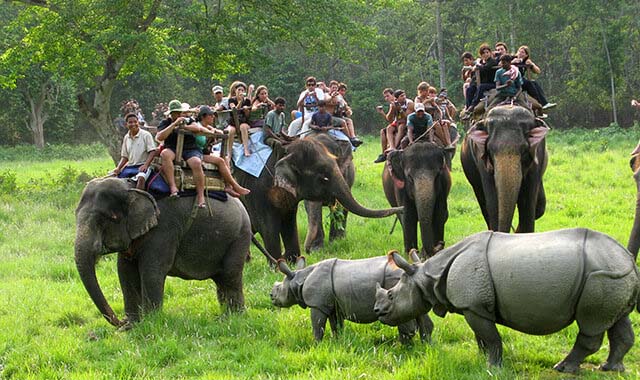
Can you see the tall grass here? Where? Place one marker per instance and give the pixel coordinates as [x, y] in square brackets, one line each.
[50, 329]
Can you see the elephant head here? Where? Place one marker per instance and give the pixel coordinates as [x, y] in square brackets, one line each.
[110, 216]
[509, 142]
[634, 238]
[422, 175]
[310, 171]
[403, 302]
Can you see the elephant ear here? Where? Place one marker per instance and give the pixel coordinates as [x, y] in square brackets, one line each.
[143, 213]
[535, 136]
[396, 169]
[479, 135]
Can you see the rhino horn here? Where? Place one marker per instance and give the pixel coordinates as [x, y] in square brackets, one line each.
[413, 254]
[396, 259]
[282, 265]
[301, 262]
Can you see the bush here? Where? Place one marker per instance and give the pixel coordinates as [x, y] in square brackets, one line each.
[8, 183]
[51, 152]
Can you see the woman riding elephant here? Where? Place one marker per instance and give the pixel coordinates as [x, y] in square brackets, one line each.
[504, 158]
[169, 237]
[273, 210]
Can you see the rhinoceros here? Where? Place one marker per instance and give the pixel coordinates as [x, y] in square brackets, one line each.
[344, 289]
[536, 283]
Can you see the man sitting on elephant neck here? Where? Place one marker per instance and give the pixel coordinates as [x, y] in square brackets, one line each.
[168, 133]
[138, 150]
[508, 81]
[417, 125]
[321, 121]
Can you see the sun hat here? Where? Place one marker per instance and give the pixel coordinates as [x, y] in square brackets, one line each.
[174, 106]
[419, 107]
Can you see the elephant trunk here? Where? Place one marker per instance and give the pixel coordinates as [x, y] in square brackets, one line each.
[508, 177]
[342, 192]
[424, 190]
[634, 238]
[85, 257]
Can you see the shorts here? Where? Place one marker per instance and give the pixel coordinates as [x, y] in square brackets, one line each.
[336, 121]
[188, 153]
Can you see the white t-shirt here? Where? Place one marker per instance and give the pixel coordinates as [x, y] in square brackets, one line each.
[137, 148]
[309, 111]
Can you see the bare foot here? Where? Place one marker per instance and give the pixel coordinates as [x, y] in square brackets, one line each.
[229, 190]
[241, 190]
[247, 152]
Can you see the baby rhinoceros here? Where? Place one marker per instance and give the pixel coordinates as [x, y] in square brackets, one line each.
[537, 283]
[343, 289]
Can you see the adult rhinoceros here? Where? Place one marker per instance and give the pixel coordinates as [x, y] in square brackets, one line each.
[536, 283]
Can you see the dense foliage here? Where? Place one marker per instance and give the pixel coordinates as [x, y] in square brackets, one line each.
[82, 58]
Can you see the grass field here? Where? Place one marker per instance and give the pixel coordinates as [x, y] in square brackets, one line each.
[50, 329]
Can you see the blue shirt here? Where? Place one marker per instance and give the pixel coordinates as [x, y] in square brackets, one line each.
[502, 79]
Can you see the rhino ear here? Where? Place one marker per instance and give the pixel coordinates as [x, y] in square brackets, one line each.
[282, 265]
[378, 287]
[301, 262]
[395, 258]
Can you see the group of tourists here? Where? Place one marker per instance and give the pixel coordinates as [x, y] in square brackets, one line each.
[508, 73]
[245, 111]
[411, 120]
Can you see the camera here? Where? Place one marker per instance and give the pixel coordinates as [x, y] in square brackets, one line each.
[188, 120]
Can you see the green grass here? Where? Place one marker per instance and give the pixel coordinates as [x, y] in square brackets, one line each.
[50, 329]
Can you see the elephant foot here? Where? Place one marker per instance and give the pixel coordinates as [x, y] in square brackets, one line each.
[616, 367]
[316, 246]
[566, 367]
[337, 234]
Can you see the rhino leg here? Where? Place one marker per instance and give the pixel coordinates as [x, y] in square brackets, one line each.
[487, 336]
[620, 341]
[584, 346]
[425, 325]
[407, 331]
[336, 324]
[318, 323]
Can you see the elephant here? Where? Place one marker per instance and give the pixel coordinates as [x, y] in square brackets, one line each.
[504, 157]
[419, 179]
[317, 169]
[634, 238]
[156, 239]
[536, 283]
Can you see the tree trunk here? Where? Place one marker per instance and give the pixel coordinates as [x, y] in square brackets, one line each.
[440, 39]
[37, 115]
[611, 77]
[99, 116]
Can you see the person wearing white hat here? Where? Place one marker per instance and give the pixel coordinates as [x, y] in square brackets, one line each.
[168, 134]
[418, 123]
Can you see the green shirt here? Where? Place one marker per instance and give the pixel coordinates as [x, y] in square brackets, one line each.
[275, 121]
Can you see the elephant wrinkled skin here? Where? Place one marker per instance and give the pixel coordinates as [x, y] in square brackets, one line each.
[156, 240]
[418, 178]
[504, 158]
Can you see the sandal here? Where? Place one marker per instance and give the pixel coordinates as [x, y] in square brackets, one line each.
[202, 205]
[174, 195]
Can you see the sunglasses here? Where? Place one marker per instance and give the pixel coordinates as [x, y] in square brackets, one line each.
[311, 84]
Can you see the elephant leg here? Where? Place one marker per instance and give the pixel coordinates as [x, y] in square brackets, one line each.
[129, 277]
[229, 280]
[440, 218]
[289, 231]
[410, 226]
[583, 347]
[338, 225]
[487, 336]
[541, 202]
[152, 288]
[621, 340]
[527, 202]
[315, 234]
[318, 323]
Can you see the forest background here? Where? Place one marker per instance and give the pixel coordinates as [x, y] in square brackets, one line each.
[66, 66]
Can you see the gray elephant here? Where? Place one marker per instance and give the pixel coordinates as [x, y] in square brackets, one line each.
[319, 170]
[504, 158]
[158, 239]
[634, 238]
[536, 283]
[343, 289]
[418, 178]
